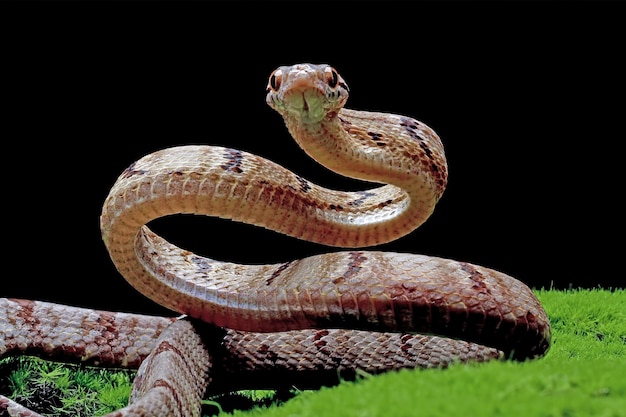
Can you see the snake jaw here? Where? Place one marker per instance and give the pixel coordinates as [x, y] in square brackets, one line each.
[307, 106]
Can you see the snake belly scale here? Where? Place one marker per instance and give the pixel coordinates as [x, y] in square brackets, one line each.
[301, 322]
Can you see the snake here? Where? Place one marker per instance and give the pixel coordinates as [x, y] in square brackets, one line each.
[309, 322]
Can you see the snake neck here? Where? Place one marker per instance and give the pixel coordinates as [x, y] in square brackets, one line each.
[327, 143]
[353, 144]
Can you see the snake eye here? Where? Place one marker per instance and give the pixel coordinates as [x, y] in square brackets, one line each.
[331, 77]
[275, 80]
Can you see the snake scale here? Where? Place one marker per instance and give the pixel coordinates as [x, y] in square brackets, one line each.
[306, 322]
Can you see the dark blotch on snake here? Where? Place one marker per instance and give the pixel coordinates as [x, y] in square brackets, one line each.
[233, 164]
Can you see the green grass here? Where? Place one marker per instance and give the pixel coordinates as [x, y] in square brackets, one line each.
[583, 374]
[66, 390]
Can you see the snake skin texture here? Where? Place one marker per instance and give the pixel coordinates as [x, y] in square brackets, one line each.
[308, 322]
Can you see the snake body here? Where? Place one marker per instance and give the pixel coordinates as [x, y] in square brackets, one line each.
[300, 322]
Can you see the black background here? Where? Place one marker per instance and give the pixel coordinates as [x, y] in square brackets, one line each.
[527, 97]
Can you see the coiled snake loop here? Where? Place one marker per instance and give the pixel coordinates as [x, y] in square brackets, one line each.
[302, 322]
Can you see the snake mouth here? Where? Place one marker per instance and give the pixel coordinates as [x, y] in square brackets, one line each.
[306, 105]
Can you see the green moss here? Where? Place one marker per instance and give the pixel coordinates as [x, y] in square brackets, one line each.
[66, 390]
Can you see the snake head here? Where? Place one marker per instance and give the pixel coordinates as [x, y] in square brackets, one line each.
[306, 92]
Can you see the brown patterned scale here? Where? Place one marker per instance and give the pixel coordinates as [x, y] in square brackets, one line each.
[286, 323]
